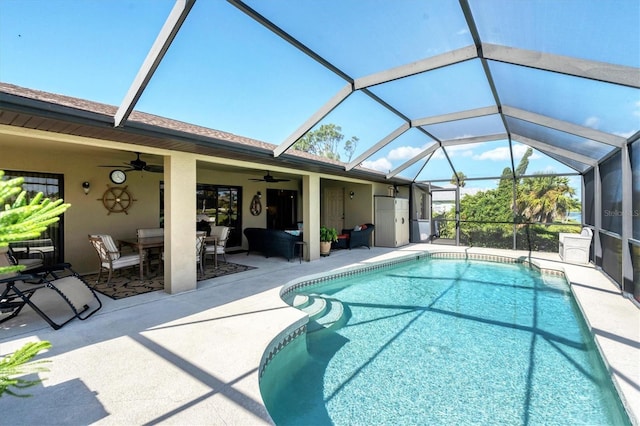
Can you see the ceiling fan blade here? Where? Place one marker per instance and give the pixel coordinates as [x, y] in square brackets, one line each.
[257, 180]
[154, 168]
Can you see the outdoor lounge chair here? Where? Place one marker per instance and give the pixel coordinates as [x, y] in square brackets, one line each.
[575, 247]
[71, 297]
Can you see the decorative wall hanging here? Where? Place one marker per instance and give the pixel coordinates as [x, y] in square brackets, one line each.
[117, 199]
[256, 205]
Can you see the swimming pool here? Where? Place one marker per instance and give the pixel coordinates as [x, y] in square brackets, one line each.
[442, 341]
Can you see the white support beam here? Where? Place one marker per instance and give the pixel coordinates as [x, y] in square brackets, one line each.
[594, 70]
[563, 126]
[627, 221]
[454, 116]
[541, 146]
[381, 144]
[597, 212]
[475, 139]
[168, 32]
[411, 162]
[407, 70]
[314, 119]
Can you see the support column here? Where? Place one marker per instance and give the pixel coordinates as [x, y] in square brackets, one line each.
[311, 215]
[180, 223]
[627, 220]
[597, 212]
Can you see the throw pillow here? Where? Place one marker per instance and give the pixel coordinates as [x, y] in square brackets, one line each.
[357, 228]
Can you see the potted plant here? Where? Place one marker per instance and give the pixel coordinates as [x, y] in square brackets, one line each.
[327, 236]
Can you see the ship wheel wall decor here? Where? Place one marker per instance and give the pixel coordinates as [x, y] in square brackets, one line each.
[117, 199]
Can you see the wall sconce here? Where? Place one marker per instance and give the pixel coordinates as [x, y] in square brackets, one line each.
[259, 194]
[351, 194]
[86, 187]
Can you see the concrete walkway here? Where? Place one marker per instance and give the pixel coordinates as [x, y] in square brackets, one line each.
[193, 358]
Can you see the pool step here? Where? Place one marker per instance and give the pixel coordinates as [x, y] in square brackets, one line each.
[298, 301]
[331, 319]
[324, 312]
[316, 308]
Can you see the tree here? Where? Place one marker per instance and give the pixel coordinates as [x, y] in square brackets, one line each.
[545, 198]
[459, 178]
[325, 142]
[23, 220]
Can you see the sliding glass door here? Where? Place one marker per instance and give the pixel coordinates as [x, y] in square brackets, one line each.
[223, 206]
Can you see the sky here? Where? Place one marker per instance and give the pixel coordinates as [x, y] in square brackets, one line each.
[227, 72]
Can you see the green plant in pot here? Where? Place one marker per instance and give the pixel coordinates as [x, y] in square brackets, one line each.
[327, 236]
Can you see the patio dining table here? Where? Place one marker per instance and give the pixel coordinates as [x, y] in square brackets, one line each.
[141, 245]
[145, 243]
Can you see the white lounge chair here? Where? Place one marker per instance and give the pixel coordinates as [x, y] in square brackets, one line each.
[574, 248]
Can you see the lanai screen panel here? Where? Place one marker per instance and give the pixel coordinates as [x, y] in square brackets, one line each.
[400, 150]
[454, 88]
[470, 127]
[555, 138]
[611, 176]
[361, 117]
[594, 104]
[475, 159]
[635, 209]
[588, 214]
[236, 76]
[541, 163]
[558, 27]
[364, 38]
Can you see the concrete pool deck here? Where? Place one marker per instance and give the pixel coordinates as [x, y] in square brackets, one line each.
[193, 358]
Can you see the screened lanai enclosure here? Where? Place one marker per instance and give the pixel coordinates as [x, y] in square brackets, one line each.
[511, 121]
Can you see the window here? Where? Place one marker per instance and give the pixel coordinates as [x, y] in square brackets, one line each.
[52, 186]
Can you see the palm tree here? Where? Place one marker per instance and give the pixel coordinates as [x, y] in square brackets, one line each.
[545, 198]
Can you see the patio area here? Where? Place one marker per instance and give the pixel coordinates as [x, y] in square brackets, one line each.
[193, 358]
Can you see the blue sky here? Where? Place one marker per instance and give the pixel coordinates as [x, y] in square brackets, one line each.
[227, 72]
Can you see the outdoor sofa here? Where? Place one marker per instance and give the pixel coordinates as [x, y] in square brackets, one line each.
[272, 242]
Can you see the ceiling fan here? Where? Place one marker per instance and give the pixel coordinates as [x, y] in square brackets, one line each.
[139, 165]
[269, 178]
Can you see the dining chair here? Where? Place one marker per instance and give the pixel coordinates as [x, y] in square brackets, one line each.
[221, 234]
[200, 245]
[110, 256]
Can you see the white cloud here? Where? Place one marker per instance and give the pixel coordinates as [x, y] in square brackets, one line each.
[592, 122]
[404, 152]
[626, 135]
[461, 150]
[502, 154]
[497, 154]
[381, 165]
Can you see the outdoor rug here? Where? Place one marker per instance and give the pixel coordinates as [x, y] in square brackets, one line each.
[126, 282]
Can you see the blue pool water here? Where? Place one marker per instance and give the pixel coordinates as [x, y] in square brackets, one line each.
[445, 342]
